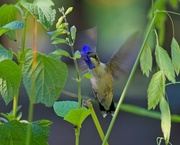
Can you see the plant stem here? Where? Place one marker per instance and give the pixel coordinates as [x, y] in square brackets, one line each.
[77, 134]
[96, 121]
[128, 81]
[15, 104]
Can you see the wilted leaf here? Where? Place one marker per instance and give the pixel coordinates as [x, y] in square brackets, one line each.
[164, 62]
[165, 119]
[10, 79]
[156, 89]
[77, 116]
[175, 53]
[146, 60]
[45, 81]
[5, 54]
[42, 10]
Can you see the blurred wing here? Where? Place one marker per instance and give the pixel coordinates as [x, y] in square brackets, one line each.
[88, 37]
[123, 59]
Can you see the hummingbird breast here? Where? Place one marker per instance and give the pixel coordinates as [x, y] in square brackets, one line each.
[102, 84]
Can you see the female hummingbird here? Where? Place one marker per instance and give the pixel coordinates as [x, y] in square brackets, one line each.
[104, 73]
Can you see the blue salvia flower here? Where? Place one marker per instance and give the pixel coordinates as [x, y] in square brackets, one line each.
[84, 55]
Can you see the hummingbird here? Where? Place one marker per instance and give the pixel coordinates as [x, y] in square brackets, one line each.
[104, 73]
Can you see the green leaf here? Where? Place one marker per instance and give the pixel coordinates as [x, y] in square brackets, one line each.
[175, 53]
[165, 119]
[77, 116]
[73, 32]
[45, 81]
[10, 80]
[59, 41]
[146, 60]
[14, 132]
[88, 75]
[5, 54]
[164, 62]
[42, 11]
[62, 108]
[156, 89]
[14, 25]
[60, 20]
[57, 32]
[8, 13]
[61, 52]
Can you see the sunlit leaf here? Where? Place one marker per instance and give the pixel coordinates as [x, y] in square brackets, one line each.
[77, 116]
[156, 89]
[45, 81]
[59, 41]
[77, 55]
[164, 62]
[68, 10]
[146, 60]
[10, 79]
[42, 10]
[165, 119]
[88, 75]
[5, 54]
[175, 53]
[61, 52]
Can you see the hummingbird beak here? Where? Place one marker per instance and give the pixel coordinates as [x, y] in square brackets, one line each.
[85, 56]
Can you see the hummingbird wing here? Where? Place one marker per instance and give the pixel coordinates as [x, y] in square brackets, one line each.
[123, 59]
[86, 37]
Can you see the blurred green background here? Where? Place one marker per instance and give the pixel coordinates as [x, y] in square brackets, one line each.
[115, 21]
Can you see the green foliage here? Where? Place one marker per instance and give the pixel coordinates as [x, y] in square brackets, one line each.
[10, 79]
[164, 63]
[14, 132]
[43, 82]
[156, 89]
[165, 119]
[42, 11]
[5, 54]
[146, 60]
[175, 54]
[7, 18]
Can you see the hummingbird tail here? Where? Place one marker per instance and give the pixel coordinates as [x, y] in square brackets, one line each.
[111, 109]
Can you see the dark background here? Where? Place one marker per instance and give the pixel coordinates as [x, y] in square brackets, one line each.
[115, 21]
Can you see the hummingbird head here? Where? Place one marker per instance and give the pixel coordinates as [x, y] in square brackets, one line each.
[88, 56]
[94, 58]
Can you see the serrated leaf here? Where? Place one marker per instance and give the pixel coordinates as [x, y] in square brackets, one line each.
[42, 11]
[59, 41]
[62, 108]
[10, 79]
[45, 81]
[77, 116]
[14, 132]
[14, 25]
[61, 52]
[5, 54]
[165, 119]
[156, 89]
[146, 60]
[175, 53]
[164, 62]
[8, 13]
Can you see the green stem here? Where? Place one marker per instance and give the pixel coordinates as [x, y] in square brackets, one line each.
[77, 134]
[15, 104]
[96, 122]
[129, 81]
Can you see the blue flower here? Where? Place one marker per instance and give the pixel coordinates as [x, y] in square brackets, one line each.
[84, 55]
